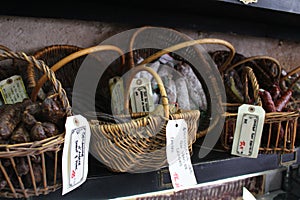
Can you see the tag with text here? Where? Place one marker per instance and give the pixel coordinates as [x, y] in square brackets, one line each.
[178, 156]
[13, 90]
[75, 153]
[141, 95]
[248, 131]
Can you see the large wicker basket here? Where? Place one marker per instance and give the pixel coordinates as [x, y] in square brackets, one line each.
[137, 143]
[42, 158]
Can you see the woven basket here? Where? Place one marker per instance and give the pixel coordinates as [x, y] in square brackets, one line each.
[136, 143]
[43, 158]
[280, 128]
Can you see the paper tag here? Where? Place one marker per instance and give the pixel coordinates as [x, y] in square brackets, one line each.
[117, 95]
[178, 156]
[75, 153]
[141, 95]
[247, 195]
[13, 90]
[248, 1]
[248, 131]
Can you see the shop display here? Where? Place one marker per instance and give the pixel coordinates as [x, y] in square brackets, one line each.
[127, 138]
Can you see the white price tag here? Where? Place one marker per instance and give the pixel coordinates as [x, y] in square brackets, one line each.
[248, 131]
[141, 95]
[247, 195]
[75, 153]
[13, 90]
[178, 156]
[248, 1]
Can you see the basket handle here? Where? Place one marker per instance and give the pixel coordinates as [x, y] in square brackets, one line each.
[179, 46]
[248, 74]
[40, 65]
[133, 72]
[30, 70]
[257, 58]
[71, 57]
[290, 73]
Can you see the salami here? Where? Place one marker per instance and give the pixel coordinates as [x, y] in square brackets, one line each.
[195, 89]
[281, 103]
[267, 101]
[166, 74]
[183, 99]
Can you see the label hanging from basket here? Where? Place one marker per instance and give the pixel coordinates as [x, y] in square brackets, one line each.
[13, 90]
[248, 131]
[116, 87]
[141, 95]
[178, 156]
[75, 153]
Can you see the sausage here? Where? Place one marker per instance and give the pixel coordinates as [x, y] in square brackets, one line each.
[166, 74]
[283, 100]
[183, 98]
[196, 91]
[267, 101]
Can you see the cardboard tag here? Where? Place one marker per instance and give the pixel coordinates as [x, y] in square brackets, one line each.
[247, 195]
[248, 1]
[75, 153]
[117, 95]
[13, 90]
[248, 131]
[141, 95]
[178, 156]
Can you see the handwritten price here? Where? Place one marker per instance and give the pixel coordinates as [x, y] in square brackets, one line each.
[242, 144]
[176, 180]
[73, 174]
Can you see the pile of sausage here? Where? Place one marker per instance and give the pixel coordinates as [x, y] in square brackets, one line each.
[25, 122]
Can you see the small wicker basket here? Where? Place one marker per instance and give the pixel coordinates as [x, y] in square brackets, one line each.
[43, 158]
[280, 128]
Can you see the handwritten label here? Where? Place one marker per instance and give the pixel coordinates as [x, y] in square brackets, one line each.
[248, 131]
[13, 90]
[178, 156]
[75, 153]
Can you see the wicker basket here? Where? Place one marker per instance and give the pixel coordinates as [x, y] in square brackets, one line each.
[280, 128]
[136, 143]
[43, 158]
